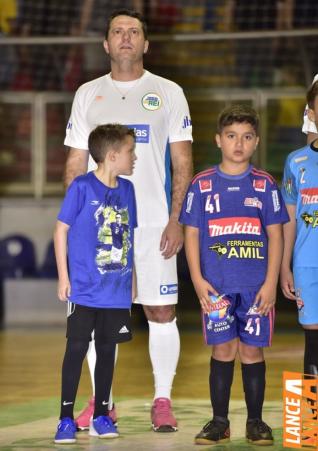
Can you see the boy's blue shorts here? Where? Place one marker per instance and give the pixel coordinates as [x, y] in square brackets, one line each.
[234, 316]
[306, 290]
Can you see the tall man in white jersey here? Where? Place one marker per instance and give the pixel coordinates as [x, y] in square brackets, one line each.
[158, 111]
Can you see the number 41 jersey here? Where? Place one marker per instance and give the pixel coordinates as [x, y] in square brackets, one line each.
[232, 213]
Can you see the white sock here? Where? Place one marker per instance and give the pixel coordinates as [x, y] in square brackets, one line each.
[110, 399]
[91, 360]
[164, 350]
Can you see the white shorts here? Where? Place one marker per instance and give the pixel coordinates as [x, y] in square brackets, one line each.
[157, 281]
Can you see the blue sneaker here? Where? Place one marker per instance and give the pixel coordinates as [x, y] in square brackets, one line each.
[65, 431]
[103, 427]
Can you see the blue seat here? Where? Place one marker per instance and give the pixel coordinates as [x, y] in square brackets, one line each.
[17, 257]
[48, 269]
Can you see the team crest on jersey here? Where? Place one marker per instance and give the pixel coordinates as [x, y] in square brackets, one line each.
[259, 185]
[288, 185]
[205, 186]
[151, 101]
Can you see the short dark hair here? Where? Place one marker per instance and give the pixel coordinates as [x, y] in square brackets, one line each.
[106, 137]
[238, 113]
[129, 13]
[312, 93]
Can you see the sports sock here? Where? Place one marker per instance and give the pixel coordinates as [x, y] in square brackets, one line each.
[311, 358]
[71, 372]
[253, 375]
[221, 378]
[103, 376]
[311, 351]
[164, 350]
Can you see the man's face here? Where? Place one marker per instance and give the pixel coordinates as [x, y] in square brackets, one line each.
[126, 39]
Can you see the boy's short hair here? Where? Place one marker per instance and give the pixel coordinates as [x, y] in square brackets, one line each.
[106, 137]
[312, 93]
[238, 113]
[129, 13]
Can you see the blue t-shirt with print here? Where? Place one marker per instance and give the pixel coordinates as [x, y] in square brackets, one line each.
[100, 241]
[232, 213]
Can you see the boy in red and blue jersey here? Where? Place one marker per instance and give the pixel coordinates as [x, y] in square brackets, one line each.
[233, 215]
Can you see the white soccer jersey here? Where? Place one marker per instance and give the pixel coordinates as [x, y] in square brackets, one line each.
[309, 126]
[157, 110]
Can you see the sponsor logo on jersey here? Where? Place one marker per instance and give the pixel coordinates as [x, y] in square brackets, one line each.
[186, 122]
[259, 185]
[310, 220]
[97, 98]
[69, 125]
[205, 186]
[169, 289]
[309, 196]
[219, 319]
[233, 188]
[142, 132]
[252, 310]
[151, 101]
[241, 249]
[234, 226]
[253, 202]
[189, 201]
[276, 203]
[299, 159]
[94, 202]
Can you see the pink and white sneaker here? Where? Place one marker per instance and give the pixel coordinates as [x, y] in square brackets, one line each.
[113, 415]
[82, 421]
[162, 417]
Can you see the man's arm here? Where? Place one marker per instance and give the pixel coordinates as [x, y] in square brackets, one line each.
[286, 276]
[182, 169]
[76, 164]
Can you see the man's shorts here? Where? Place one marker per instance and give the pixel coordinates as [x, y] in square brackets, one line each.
[157, 282]
[109, 325]
[306, 290]
[234, 315]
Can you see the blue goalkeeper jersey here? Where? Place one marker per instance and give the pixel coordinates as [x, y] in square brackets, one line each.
[232, 213]
[300, 188]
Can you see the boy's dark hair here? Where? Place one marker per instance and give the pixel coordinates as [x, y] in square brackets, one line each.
[106, 137]
[312, 93]
[129, 13]
[238, 113]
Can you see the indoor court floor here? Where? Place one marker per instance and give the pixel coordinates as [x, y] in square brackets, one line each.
[30, 387]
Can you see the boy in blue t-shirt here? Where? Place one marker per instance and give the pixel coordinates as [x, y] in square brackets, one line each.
[233, 215]
[93, 242]
[300, 192]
